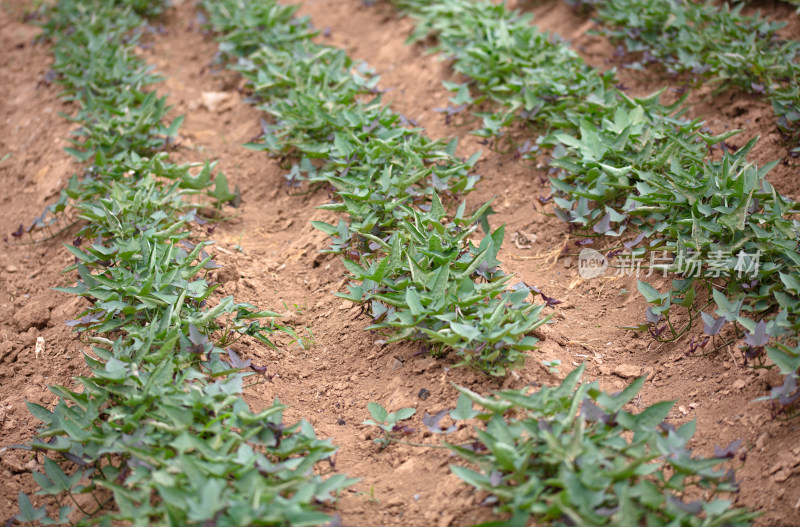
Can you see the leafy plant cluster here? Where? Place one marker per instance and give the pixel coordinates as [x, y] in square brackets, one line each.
[711, 42]
[159, 433]
[625, 167]
[571, 455]
[414, 265]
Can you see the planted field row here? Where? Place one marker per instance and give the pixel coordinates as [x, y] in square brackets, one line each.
[160, 433]
[416, 268]
[417, 272]
[636, 173]
[712, 44]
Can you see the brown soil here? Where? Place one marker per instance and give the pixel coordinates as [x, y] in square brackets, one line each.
[280, 267]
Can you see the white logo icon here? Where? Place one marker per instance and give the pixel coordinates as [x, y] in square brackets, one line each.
[591, 264]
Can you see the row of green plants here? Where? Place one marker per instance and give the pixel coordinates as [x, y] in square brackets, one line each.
[571, 455]
[709, 43]
[159, 433]
[565, 457]
[414, 267]
[636, 176]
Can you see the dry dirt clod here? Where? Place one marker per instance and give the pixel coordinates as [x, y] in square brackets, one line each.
[32, 315]
[217, 102]
[627, 371]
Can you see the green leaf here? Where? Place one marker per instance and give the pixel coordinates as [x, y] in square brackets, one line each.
[221, 193]
[467, 331]
[791, 282]
[414, 305]
[405, 413]
[26, 511]
[378, 412]
[650, 293]
[327, 228]
[172, 131]
[463, 409]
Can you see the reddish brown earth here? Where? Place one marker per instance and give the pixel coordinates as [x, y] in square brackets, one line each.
[331, 382]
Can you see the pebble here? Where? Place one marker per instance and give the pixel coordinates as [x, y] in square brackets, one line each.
[762, 441]
[12, 269]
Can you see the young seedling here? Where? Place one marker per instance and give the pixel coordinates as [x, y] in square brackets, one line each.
[388, 423]
[552, 365]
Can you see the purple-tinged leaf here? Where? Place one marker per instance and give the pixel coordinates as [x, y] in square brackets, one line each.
[656, 331]
[729, 451]
[653, 318]
[604, 225]
[549, 300]
[475, 446]
[368, 129]
[693, 507]
[211, 264]
[544, 425]
[521, 286]
[751, 285]
[489, 500]
[696, 346]
[19, 232]
[431, 422]
[785, 394]
[634, 242]
[759, 337]
[87, 320]
[496, 478]
[403, 429]
[259, 369]
[451, 110]
[195, 336]
[593, 413]
[667, 427]
[712, 326]
[236, 361]
[751, 352]
[563, 215]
